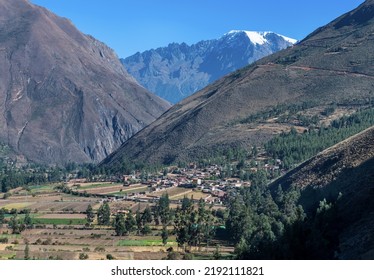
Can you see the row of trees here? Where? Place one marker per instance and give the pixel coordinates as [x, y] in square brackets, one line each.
[193, 226]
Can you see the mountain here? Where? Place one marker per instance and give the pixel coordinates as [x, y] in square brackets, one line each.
[178, 70]
[345, 170]
[333, 65]
[64, 96]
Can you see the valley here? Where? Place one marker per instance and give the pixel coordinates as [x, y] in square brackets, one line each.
[267, 154]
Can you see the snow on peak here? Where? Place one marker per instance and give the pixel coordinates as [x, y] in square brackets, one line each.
[259, 38]
[256, 38]
[290, 40]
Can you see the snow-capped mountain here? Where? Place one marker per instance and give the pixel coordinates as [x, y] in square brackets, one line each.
[178, 70]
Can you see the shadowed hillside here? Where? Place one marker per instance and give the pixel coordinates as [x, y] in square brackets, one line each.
[344, 176]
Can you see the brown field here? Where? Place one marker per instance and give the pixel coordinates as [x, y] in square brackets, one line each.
[172, 192]
[104, 190]
[192, 195]
[63, 216]
[49, 203]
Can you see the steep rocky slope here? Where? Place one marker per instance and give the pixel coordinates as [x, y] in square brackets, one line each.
[64, 96]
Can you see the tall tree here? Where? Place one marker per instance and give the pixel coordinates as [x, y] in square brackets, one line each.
[164, 209]
[90, 216]
[139, 220]
[103, 214]
[130, 222]
[119, 225]
[27, 220]
[27, 252]
[164, 235]
[2, 216]
[147, 215]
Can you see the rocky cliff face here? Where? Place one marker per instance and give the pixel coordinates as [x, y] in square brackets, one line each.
[64, 96]
[178, 70]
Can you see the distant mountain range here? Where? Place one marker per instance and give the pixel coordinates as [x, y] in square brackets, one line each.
[64, 96]
[178, 70]
[333, 65]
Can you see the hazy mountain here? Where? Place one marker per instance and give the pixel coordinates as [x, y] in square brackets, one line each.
[332, 65]
[64, 96]
[343, 175]
[178, 70]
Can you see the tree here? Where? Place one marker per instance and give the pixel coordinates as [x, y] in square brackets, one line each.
[164, 235]
[2, 216]
[217, 253]
[163, 209]
[83, 256]
[139, 220]
[27, 252]
[184, 223]
[119, 225]
[146, 230]
[204, 224]
[103, 214]
[147, 215]
[90, 214]
[27, 220]
[15, 225]
[130, 222]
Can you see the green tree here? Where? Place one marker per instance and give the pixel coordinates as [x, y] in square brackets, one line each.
[147, 215]
[27, 252]
[164, 235]
[15, 225]
[139, 220]
[103, 214]
[119, 225]
[90, 216]
[146, 230]
[27, 220]
[2, 216]
[130, 222]
[184, 227]
[163, 209]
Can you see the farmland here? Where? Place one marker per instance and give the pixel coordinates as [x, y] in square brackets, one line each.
[60, 230]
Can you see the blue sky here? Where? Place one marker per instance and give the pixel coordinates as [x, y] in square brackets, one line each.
[129, 26]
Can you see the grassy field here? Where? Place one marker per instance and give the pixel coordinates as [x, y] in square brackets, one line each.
[58, 221]
[18, 205]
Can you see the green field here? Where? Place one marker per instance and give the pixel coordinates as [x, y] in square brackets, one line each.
[131, 191]
[9, 236]
[48, 221]
[93, 186]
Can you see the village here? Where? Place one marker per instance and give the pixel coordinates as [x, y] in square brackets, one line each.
[207, 183]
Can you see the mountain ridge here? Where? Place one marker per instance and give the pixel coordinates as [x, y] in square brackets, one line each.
[178, 70]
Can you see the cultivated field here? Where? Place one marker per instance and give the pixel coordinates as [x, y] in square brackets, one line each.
[60, 228]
